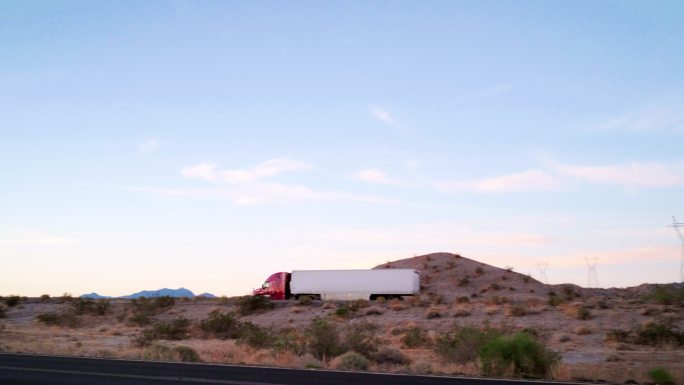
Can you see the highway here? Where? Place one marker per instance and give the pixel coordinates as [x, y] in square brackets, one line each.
[17, 369]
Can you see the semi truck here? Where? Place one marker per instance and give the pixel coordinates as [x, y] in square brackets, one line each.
[341, 284]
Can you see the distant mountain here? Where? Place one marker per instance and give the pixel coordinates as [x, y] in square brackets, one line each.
[176, 293]
[94, 295]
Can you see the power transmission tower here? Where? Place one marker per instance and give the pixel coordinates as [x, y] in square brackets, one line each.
[592, 277]
[542, 266]
[676, 225]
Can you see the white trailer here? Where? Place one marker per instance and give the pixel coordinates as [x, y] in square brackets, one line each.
[354, 284]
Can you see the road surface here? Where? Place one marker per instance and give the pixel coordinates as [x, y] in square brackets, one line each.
[17, 369]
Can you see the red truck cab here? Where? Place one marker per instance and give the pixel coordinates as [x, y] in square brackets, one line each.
[277, 286]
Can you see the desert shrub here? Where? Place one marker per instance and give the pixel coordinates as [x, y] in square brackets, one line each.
[397, 305]
[140, 319]
[495, 286]
[464, 281]
[66, 297]
[618, 335]
[374, 311]
[479, 271]
[421, 367]
[351, 361]
[221, 325]
[555, 300]
[433, 312]
[88, 306]
[3, 312]
[527, 278]
[569, 292]
[176, 329]
[415, 337]
[661, 376]
[59, 319]
[436, 299]
[44, 297]
[498, 300]
[463, 299]
[254, 336]
[517, 311]
[358, 304]
[288, 342]
[145, 308]
[666, 295]
[521, 354]
[390, 355]
[584, 314]
[323, 339]
[163, 302]
[360, 337]
[462, 344]
[185, 354]
[461, 313]
[12, 300]
[249, 304]
[342, 311]
[659, 334]
[304, 300]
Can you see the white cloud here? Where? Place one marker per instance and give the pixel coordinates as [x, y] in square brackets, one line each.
[383, 116]
[206, 171]
[147, 147]
[271, 167]
[248, 187]
[647, 119]
[373, 175]
[263, 193]
[266, 169]
[632, 174]
[526, 181]
[38, 240]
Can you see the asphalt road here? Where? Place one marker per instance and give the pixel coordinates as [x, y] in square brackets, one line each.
[47, 370]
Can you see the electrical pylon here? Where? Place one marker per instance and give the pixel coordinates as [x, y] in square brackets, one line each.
[592, 277]
[676, 225]
[542, 266]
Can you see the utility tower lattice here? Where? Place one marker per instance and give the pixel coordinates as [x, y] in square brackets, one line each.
[676, 225]
[592, 277]
[542, 266]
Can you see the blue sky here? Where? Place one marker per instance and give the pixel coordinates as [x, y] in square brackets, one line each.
[210, 144]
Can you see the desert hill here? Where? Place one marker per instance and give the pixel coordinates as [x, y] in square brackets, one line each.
[452, 276]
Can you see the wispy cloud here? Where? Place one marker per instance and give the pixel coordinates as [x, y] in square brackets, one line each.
[206, 171]
[250, 186]
[271, 167]
[647, 119]
[634, 174]
[373, 175]
[383, 115]
[263, 193]
[38, 240]
[559, 177]
[526, 181]
[148, 146]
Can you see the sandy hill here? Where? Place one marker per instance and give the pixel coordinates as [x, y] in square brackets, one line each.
[453, 276]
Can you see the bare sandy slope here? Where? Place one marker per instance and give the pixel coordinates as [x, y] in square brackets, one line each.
[456, 291]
